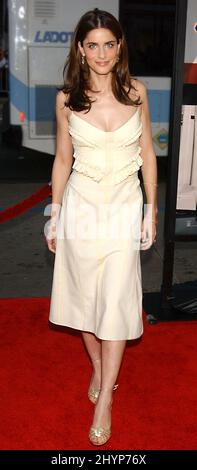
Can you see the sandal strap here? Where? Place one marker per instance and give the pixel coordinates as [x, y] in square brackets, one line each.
[115, 387]
[110, 388]
[100, 431]
[99, 435]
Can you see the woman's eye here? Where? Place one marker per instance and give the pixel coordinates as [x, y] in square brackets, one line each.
[108, 45]
[92, 46]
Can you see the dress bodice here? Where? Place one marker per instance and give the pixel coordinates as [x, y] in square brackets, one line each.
[100, 154]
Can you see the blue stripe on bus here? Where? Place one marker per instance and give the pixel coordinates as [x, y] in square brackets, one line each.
[38, 103]
[18, 94]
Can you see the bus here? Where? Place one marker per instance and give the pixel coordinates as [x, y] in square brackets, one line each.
[40, 32]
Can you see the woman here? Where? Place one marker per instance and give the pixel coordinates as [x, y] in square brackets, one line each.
[97, 208]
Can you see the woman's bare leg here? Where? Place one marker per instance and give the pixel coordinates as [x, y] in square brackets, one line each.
[112, 353]
[93, 346]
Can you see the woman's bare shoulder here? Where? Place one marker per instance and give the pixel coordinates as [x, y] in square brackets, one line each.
[140, 88]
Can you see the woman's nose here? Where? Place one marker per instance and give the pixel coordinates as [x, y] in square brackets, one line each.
[101, 52]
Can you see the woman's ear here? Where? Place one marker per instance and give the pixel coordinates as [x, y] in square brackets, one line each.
[119, 45]
[80, 48]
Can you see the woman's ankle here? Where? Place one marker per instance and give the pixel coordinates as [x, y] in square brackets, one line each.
[109, 388]
[102, 412]
[96, 364]
[105, 398]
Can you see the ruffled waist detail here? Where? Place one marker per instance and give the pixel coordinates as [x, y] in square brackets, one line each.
[127, 170]
[88, 170]
[97, 174]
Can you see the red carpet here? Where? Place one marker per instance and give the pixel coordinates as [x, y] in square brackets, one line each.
[26, 204]
[45, 374]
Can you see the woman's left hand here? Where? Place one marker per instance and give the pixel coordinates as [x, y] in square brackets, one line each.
[148, 232]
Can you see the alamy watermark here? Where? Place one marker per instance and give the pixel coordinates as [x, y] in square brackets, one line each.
[107, 221]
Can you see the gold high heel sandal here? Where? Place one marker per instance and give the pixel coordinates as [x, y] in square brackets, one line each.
[93, 393]
[99, 435]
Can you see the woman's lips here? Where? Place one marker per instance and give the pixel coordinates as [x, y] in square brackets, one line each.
[102, 63]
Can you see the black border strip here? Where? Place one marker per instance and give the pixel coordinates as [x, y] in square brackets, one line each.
[173, 154]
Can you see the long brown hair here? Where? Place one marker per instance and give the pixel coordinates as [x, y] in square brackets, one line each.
[77, 75]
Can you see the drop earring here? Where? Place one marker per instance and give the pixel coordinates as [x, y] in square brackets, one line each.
[82, 60]
[118, 58]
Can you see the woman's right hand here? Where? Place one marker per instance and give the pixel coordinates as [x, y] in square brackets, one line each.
[51, 227]
[52, 245]
[51, 238]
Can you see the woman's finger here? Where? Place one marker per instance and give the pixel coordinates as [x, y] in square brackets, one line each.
[51, 245]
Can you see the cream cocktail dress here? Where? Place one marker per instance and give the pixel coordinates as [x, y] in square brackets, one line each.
[97, 271]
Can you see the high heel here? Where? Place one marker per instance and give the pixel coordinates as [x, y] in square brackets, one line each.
[99, 435]
[93, 393]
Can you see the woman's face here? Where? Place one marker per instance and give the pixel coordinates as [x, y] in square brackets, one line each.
[101, 50]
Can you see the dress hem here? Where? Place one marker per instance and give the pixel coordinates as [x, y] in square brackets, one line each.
[99, 337]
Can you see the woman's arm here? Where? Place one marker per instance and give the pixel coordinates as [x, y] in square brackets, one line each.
[64, 151]
[61, 167]
[149, 167]
[149, 172]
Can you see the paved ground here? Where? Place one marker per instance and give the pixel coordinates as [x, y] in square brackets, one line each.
[27, 265]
